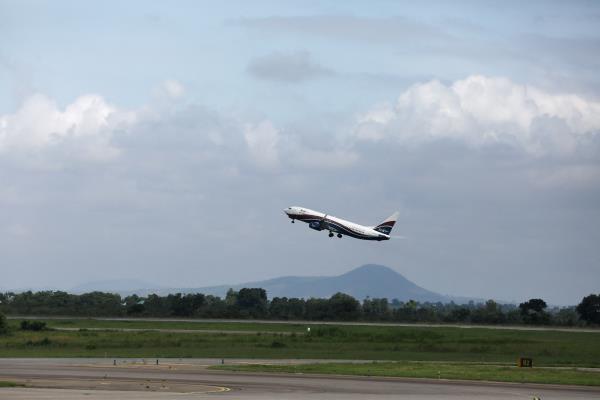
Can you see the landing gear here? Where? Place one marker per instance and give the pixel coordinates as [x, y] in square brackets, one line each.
[293, 221]
[340, 235]
[330, 234]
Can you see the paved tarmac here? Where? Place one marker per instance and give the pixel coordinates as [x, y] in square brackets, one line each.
[98, 379]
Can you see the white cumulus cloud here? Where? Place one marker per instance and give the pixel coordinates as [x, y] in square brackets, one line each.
[84, 127]
[262, 140]
[481, 110]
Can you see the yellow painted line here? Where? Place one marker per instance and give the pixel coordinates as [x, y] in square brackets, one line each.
[219, 389]
[215, 389]
[100, 381]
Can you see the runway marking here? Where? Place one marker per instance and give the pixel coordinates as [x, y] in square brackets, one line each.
[34, 383]
[220, 389]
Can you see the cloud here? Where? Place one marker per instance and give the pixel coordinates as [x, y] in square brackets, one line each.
[84, 127]
[287, 67]
[182, 167]
[347, 27]
[262, 140]
[41, 135]
[478, 112]
[172, 88]
[17, 230]
[579, 176]
[481, 111]
[324, 159]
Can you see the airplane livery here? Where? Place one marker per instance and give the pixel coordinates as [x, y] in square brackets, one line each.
[319, 221]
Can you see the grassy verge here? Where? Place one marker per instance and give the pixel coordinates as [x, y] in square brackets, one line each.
[187, 325]
[434, 370]
[445, 344]
[8, 384]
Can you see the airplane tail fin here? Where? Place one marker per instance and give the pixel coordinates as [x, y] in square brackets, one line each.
[387, 225]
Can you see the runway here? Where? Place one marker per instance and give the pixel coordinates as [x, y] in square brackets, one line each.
[99, 379]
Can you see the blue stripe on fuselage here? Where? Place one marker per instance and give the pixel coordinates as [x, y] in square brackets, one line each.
[335, 227]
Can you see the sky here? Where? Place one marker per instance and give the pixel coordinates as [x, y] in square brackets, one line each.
[160, 141]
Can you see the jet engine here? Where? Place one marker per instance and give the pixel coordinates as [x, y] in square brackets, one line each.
[316, 225]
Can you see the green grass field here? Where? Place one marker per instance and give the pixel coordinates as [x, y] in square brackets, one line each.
[463, 371]
[8, 384]
[187, 325]
[447, 344]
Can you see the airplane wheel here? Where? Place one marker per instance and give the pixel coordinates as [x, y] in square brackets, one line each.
[330, 234]
[340, 235]
[293, 221]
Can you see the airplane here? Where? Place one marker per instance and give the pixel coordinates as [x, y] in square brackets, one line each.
[319, 221]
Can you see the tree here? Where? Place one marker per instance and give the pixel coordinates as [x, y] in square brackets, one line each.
[296, 308]
[406, 312]
[376, 309]
[33, 325]
[185, 305]
[156, 306]
[426, 313]
[134, 305]
[284, 308]
[278, 308]
[252, 302]
[514, 317]
[317, 309]
[459, 314]
[213, 307]
[589, 309]
[566, 316]
[99, 304]
[136, 309]
[3, 324]
[490, 313]
[533, 312]
[344, 307]
[231, 297]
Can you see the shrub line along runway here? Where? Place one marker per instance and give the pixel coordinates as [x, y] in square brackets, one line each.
[301, 322]
[98, 379]
[169, 330]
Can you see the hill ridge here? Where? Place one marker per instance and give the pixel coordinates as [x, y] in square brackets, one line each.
[369, 280]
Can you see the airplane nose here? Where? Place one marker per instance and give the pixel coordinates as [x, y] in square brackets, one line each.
[287, 211]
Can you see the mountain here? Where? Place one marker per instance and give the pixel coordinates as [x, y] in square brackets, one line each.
[375, 281]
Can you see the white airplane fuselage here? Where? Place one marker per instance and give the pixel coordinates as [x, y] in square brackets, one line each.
[320, 221]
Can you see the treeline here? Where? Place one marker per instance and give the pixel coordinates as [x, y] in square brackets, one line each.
[252, 303]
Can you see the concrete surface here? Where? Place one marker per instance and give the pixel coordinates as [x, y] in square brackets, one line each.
[189, 379]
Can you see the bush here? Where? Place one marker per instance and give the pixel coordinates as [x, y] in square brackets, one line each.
[3, 324]
[589, 309]
[33, 325]
[329, 331]
[44, 342]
